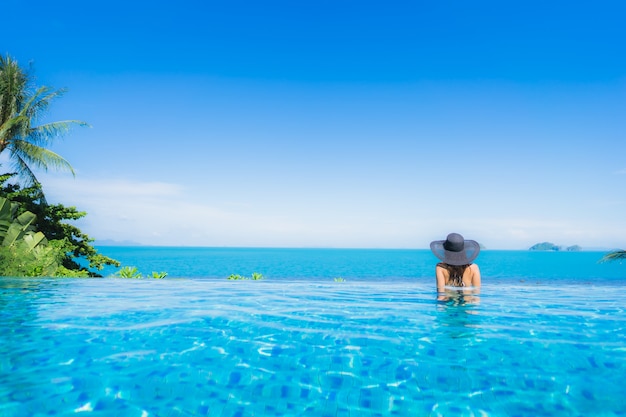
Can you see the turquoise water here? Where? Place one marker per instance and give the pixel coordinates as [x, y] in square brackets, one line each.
[359, 264]
[546, 345]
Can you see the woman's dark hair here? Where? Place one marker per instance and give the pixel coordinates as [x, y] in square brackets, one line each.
[456, 273]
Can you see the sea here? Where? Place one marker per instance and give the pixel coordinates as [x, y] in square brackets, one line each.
[326, 332]
[358, 264]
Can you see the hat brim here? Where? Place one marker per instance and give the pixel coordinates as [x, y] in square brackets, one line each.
[465, 257]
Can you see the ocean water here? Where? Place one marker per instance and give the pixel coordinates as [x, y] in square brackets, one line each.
[541, 338]
[358, 264]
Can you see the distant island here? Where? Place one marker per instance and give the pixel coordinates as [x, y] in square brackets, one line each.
[549, 246]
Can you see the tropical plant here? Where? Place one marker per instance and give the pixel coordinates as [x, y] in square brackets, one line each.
[128, 272]
[339, 279]
[21, 106]
[14, 227]
[133, 272]
[616, 255]
[235, 277]
[255, 277]
[51, 220]
[24, 251]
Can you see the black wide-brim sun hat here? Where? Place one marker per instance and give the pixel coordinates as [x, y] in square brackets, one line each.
[455, 250]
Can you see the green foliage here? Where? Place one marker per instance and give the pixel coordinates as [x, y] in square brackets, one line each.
[235, 277]
[72, 273]
[34, 223]
[616, 255]
[339, 279]
[51, 221]
[16, 227]
[22, 104]
[129, 272]
[255, 277]
[23, 250]
[133, 272]
[17, 261]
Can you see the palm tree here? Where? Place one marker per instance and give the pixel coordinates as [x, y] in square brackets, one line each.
[21, 105]
[616, 255]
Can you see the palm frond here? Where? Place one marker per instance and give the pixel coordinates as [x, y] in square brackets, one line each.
[39, 156]
[9, 129]
[39, 102]
[44, 134]
[617, 255]
[21, 104]
[23, 170]
[13, 87]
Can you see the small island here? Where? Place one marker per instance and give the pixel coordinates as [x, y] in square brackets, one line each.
[549, 246]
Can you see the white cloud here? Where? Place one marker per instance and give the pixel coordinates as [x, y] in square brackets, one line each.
[162, 213]
[147, 212]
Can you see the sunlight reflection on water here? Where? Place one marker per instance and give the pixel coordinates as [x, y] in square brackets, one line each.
[217, 347]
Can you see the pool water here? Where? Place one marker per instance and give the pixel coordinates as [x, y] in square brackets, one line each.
[180, 347]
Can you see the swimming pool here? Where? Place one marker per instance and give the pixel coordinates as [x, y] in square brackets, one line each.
[176, 347]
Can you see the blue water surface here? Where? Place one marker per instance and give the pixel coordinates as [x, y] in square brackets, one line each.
[376, 264]
[181, 347]
[545, 336]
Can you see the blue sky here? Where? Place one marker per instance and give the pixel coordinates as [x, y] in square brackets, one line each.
[336, 124]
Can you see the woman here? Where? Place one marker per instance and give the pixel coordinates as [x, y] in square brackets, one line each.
[457, 269]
